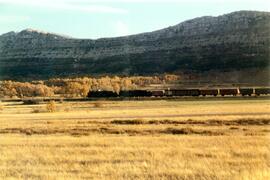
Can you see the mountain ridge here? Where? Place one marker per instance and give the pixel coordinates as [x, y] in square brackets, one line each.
[143, 33]
[232, 41]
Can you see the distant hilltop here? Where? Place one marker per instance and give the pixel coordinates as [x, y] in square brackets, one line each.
[237, 41]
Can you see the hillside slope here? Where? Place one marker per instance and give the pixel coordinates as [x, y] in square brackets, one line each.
[231, 42]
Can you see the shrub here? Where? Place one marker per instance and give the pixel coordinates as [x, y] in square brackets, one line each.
[98, 104]
[1, 107]
[51, 106]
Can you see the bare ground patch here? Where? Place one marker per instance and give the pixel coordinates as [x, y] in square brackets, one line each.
[243, 121]
[169, 130]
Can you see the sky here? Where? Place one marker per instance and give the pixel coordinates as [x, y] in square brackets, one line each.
[94, 19]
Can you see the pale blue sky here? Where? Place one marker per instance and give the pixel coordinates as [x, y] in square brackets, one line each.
[109, 18]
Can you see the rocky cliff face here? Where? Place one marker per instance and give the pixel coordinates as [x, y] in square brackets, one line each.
[233, 41]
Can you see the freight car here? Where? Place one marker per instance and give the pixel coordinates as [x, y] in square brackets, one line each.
[157, 93]
[103, 94]
[262, 91]
[246, 91]
[182, 92]
[227, 92]
[135, 93]
[209, 92]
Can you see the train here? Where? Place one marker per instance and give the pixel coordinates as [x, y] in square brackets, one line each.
[182, 92]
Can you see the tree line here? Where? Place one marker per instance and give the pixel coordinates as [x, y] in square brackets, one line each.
[79, 87]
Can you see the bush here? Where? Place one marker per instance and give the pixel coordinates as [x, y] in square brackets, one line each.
[51, 106]
[1, 107]
[98, 104]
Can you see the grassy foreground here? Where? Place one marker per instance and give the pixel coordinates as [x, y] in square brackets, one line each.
[213, 139]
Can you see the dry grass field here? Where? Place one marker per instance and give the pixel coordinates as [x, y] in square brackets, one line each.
[161, 139]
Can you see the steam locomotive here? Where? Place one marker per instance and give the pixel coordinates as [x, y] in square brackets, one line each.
[181, 92]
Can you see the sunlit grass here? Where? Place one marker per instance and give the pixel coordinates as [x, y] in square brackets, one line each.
[136, 140]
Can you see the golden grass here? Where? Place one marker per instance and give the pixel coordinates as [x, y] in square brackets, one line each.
[139, 157]
[137, 140]
[51, 106]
